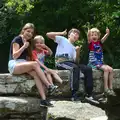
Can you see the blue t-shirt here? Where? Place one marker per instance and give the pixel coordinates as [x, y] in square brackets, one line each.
[19, 41]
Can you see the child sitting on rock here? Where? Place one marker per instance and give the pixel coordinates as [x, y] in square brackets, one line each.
[39, 53]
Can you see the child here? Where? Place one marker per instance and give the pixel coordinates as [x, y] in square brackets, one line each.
[67, 57]
[96, 58]
[20, 61]
[39, 53]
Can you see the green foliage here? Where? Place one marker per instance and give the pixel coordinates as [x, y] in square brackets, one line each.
[50, 62]
[20, 6]
[8, 26]
[57, 15]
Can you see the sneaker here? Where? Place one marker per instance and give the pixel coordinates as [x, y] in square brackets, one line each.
[52, 89]
[112, 93]
[107, 92]
[91, 99]
[46, 103]
[103, 100]
[56, 86]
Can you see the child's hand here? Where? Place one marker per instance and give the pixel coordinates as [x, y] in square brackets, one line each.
[89, 33]
[64, 32]
[48, 70]
[78, 48]
[43, 46]
[107, 31]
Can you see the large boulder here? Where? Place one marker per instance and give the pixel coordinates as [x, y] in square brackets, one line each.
[67, 110]
[21, 108]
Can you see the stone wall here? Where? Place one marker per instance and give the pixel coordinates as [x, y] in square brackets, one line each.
[24, 84]
[12, 89]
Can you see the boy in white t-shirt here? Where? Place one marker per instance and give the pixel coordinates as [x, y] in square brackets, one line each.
[67, 57]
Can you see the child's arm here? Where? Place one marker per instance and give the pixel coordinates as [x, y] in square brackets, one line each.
[52, 35]
[42, 65]
[47, 49]
[34, 57]
[89, 36]
[106, 35]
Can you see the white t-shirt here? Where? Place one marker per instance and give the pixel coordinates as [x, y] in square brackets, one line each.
[65, 47]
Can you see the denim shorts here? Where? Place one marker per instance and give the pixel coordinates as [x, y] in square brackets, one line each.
[12, 64]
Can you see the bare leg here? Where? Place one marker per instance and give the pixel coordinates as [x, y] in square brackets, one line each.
[110, 76]
[106, 73]
[39, 84]
[56, 76]
[25, 67]
[49, 77]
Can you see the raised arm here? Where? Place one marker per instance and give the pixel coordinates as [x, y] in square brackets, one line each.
[106, 35]
[89, 36]
[52, 35]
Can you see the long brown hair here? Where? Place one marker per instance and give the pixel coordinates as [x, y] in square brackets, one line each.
[29, 49]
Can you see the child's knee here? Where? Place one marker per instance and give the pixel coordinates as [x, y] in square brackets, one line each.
[34, 64]
[106, 69]
[111, 70]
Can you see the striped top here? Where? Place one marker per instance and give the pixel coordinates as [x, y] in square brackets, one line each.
[95, 53]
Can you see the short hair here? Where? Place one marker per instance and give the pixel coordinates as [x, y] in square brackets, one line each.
[96, 30]
[74, 30]
[40, 38]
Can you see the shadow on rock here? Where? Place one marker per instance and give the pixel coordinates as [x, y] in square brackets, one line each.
[112, 108]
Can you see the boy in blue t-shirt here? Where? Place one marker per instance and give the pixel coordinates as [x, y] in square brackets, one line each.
[67, 57]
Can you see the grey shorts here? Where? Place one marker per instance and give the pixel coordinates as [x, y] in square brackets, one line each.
[12, 64]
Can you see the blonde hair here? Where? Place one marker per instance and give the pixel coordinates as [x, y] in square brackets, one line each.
[39, 37]
[95, 30]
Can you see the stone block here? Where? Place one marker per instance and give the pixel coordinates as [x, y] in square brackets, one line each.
[21, 108]
[24, 84]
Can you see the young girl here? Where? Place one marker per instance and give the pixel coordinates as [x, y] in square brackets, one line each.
[39, 53]
[96, 58]
[20, 61]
